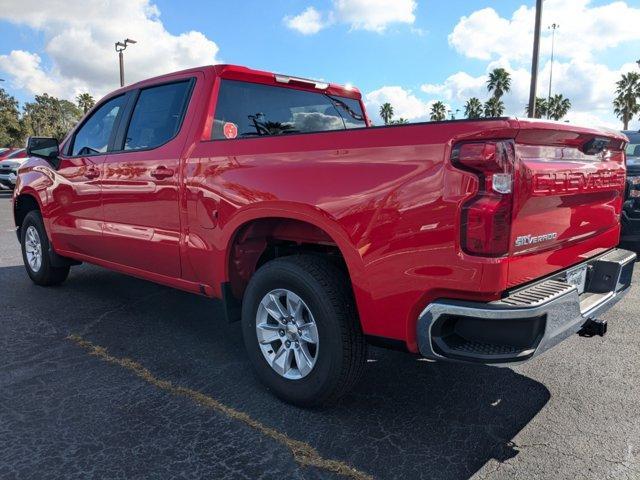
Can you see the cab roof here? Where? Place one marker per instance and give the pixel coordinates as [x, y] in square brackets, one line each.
[238, 72]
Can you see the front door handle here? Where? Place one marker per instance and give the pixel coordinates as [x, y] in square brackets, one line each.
[162, 172]
[92, 172]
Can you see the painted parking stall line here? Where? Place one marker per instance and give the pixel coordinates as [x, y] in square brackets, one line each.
[303, 453]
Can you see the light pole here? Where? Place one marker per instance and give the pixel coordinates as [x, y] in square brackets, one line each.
[534, 61]
[553, 27]
[121, 47]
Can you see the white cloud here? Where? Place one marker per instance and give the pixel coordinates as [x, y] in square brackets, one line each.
[405, 104]
[458, 86]
[584, 30]
[374, 15]
[371, 15]
[79, 43]
[308, 22]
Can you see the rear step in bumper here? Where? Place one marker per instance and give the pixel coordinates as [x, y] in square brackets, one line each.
[529, 320]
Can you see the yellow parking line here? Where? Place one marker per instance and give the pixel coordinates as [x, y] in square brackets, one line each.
[302, 452]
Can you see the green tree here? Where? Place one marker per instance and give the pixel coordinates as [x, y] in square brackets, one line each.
[499, 82]
[558, 107]
[386, 113]
[49, 116]
[400, 121]
[473, 108]
[626, 105]
[85, 102]
[493, 108]
[541, 108]
[11, 134]
[438, 112]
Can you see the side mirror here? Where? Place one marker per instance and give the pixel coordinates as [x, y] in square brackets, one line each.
[43, 147]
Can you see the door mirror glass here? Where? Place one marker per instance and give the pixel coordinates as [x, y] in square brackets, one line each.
[43, 147]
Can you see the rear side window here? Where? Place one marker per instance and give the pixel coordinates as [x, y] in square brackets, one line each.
[253, 110]
[93, 136]
[157, 115]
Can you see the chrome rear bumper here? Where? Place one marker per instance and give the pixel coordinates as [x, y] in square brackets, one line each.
[528, 321]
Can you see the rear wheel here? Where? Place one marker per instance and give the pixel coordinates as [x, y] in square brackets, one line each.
[35, 252]
[301, 330]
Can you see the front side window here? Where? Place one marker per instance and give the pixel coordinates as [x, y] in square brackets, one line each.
[93, 136]
[252, 110]
[157, 115]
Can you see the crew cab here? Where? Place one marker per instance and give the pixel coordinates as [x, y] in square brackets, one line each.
[484, 241]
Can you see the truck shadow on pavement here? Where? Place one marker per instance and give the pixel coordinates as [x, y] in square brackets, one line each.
[408, 418]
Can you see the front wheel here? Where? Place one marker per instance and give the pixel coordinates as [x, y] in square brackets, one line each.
[301, 330]
[35, 252]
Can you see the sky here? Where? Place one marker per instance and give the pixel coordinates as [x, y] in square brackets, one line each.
[406, 52]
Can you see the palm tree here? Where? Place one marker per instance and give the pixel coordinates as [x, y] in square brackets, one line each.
[386, 112]
[473, 108]
[626, 105]
[499, 82]
[493, 108]
[438, 111]
[541, 108]
[400, 121]
[558, 107]
[85, 102]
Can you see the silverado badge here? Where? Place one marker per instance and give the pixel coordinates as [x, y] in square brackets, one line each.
[524, 240]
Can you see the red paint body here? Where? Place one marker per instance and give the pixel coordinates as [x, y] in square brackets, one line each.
[389, 198]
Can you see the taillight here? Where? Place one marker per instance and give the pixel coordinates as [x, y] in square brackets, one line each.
[486, 218]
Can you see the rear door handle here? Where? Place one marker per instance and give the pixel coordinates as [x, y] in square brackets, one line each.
[92, 172]
[162, 172]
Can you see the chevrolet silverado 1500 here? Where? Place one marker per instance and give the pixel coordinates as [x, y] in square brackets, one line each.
[482, 241]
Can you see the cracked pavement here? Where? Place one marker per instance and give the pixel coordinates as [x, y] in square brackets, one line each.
[67, 413]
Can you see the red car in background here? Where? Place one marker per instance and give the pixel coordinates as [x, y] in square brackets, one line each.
[485, 241]
[7, 151]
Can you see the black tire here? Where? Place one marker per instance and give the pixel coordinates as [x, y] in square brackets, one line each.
[341, 355]
[46, 274]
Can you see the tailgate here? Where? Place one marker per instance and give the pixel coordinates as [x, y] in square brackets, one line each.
[568, 194]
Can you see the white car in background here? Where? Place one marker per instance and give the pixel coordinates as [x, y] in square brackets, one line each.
[9, 168]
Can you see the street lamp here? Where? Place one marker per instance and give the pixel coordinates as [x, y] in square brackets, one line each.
[534, 60]
[121, 47]
[553, 29]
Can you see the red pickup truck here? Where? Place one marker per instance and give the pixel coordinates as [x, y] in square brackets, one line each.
[482, 241]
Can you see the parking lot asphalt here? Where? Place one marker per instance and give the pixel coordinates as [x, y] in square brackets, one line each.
[108, 376]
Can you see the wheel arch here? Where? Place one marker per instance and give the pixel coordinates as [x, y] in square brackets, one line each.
[23, 203]
[251, 234]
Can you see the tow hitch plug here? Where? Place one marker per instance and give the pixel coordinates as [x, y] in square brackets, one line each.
[594, 327]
